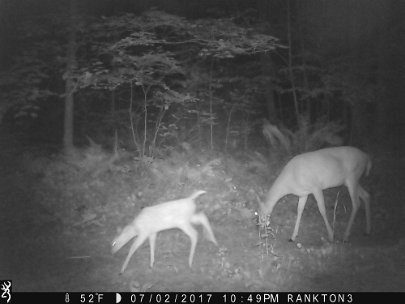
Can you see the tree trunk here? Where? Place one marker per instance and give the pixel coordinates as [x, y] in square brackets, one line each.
[290, 65]
[268, 71]
[69, 83]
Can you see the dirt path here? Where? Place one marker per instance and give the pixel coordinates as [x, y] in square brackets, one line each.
[39, 254]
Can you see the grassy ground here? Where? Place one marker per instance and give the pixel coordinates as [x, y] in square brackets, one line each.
[59, 217]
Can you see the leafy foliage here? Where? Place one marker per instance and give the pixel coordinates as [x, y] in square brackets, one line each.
[33, 75]
[225, 39]
[153, 56]
[171, 74]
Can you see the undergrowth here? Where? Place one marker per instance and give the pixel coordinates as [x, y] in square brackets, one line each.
[89, 188]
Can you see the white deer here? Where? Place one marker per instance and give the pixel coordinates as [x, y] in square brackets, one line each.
[179, 213]
[315, 171]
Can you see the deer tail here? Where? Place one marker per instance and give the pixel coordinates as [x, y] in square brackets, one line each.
[196, 194]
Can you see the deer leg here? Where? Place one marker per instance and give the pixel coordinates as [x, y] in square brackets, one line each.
[365, 197]
[193, 235]
[138, 242]
[321, 206]
[354, 195]
[201, 219]
[152, 241]
[301, 205]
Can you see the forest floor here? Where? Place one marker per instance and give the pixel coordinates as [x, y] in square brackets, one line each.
[44, 250]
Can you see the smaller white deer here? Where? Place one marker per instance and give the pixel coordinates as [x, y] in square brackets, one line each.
[179, 213]
[314, 171]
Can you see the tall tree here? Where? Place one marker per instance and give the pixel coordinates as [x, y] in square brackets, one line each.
[69, 82]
